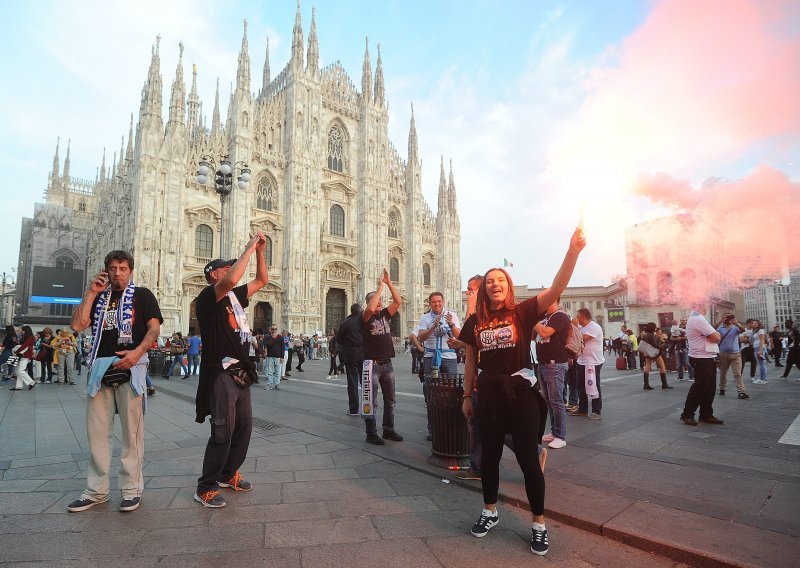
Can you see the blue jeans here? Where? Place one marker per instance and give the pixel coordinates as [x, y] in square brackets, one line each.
[175, 360]
[552, 381]
[583, 399]
[148, 380]
[194, 363]
[383, 374]
[762, 368]
[273, 371]
[682, 356]
[447, 367]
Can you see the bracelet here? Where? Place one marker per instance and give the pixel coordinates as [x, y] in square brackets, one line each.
[467, 396]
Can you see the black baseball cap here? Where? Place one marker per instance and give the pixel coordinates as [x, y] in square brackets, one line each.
[216, 263]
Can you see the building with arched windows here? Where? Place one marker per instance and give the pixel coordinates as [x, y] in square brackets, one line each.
[334, 196]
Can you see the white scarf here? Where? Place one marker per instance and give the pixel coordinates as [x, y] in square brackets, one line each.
[241, 318]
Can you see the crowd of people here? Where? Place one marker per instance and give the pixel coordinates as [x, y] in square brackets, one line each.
[42, 357]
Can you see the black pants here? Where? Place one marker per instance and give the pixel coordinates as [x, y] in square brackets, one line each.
[792, 358]
[301, 358]
[353, 371]
[701, 393]
[333, 369]
[749, 356]
[497, 414]
[289, 360]
[231, 426]
[777, 351]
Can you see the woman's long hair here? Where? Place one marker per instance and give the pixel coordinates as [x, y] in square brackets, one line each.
[482, 309]
[26, 333]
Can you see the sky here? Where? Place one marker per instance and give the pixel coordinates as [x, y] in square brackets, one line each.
[551, 111]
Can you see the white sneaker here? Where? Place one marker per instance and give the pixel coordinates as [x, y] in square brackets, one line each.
[557, 443]
[329, 377]
[547, 438]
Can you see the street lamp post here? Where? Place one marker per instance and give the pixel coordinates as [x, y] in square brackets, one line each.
[223, 185]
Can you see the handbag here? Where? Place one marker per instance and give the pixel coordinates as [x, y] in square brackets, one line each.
[648, 350]
[115, 377]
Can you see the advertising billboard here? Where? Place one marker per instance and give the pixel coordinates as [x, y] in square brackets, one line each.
[616, 315]
[56, 285]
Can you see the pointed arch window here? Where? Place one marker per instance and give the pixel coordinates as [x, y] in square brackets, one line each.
[64, 262]
[204, 242]
[394, 224]
[265, 194]
[394, 270]
[268, 252]
[337, 221]
[82, 206]
[426, 274]
[335, 149]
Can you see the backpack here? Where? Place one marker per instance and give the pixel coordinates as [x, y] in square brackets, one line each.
[574, 341]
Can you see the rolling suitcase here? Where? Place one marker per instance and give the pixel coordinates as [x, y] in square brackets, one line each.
[622, 363]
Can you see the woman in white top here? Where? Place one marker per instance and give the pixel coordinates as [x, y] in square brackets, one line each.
[759, 341]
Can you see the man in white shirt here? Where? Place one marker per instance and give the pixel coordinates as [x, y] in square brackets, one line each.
[433, 331]
[589, 364]
[703, 349]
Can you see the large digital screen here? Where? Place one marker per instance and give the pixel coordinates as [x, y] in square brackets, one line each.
[56, 285]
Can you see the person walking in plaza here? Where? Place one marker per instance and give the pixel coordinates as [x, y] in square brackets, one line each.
[65, 346]
[9, 342]
[760, 343]
[498, 340]
[333, 371]
[650, 343]
[730, 356]
[177, 346]
[433, 329]
[703, 350]
[350, 345]
[376, 332]
[125, 320]
[633, 350]
[226, 371]
[551, 351]
[195, 344]
[793, 353]
[273, 344]
[589, 364]
[299, 347]
[24, 350]
[46, 355]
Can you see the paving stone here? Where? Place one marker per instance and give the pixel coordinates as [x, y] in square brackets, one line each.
[27, 503]
[386, 554]
[278, 450]
[382, 468]
[48, 471]
[325, 474]
[70, 546]
[45, 460]
[125, 562]
[353, 458]
[380, 506]
[142, 519]
[173, 467]
[307, 491]
[33, 524]
[193, 540]
[20, 485]
[277, 513]
[292, 463]
[73, 484]
[276, 558]
[325, 447]
[423, 524]
[315, 533]
[294, 438]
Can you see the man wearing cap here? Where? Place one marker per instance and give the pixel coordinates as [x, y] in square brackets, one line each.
[226, 371]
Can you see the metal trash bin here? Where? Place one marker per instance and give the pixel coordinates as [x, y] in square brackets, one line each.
[450, 445]
[156, 366]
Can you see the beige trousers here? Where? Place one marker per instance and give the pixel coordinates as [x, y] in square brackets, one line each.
[734, 361]
[100, 412]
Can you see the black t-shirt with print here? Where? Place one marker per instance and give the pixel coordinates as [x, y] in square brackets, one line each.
[145, 308]
[503, 344]
[377, 335]
[553, 348]
[218, 328]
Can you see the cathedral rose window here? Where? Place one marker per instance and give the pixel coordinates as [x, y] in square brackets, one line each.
[335, 149]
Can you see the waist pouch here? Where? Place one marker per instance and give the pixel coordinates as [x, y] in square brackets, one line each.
[240, 376]
[115, 377]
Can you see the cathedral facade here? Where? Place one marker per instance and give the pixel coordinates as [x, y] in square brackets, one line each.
[333, 195]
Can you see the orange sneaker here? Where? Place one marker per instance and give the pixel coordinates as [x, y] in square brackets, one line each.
[211, 499]
[237, 483]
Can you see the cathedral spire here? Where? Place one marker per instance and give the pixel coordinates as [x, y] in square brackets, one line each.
[113, 167]
[178, 95]
[366, 75]
[193, 104]
[413, 150]
[312, 64]
[266, 77]
[243, 71]
[102, 176]
[152, 102]
[56, 160]
[451, 193]
[215, 115]
[121, 163]
[129, 150]
[297, 40]
[379, 88]
[442, 203]
[66, 163]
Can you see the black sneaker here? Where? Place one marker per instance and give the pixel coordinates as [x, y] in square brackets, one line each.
[743, 395]
[84, 503]
[539, 544]
[485, 522]
[351, 413]
[237, 483]
[689, 420]
[721, 392]
[375, 439]
[393, 436]
[130, 504]
[151, 391]
[210, 499]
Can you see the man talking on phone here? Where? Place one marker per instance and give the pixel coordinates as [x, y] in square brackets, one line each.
[434, 329]
[226, 371]
[125, 320]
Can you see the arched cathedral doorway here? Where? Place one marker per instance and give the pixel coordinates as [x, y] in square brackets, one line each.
[335, 303]
[262, 316]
